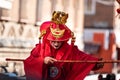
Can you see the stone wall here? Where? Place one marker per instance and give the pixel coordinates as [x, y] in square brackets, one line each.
[16, 41]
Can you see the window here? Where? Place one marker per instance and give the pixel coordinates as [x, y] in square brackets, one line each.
[90, 7]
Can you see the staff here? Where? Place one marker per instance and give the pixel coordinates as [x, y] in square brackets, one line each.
[73, 61]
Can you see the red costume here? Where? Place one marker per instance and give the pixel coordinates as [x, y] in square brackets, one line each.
[34, 66]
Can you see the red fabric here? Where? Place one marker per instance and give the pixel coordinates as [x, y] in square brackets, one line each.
[33, 64]
[45, 26]
[35, 69]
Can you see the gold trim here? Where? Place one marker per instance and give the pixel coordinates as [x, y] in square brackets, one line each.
[42, 33]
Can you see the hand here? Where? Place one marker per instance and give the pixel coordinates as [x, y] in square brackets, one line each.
[98, 65]
[49, 60]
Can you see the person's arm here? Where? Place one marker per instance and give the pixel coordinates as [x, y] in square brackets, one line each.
[80, 70]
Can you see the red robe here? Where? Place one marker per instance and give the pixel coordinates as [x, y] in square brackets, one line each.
[35, 69]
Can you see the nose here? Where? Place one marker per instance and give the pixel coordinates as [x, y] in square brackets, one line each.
[56, 43]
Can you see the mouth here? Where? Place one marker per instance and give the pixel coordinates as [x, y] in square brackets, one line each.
[56, 47]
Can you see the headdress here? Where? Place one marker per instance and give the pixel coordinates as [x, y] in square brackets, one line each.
[56, 30]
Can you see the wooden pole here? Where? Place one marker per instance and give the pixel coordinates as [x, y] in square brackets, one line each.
[73, 61]
[79, 61]
[10, 59]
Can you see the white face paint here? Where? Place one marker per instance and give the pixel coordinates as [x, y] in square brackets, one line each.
[56, 44]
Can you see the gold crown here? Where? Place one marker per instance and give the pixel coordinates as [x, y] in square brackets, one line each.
[59, 17]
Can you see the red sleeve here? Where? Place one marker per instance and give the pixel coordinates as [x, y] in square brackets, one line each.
[80, 70]
[33, 68]
[33, 65]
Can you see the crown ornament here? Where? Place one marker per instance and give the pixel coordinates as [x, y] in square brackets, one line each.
[59, 17]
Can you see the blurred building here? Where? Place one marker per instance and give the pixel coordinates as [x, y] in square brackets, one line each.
[100, 27]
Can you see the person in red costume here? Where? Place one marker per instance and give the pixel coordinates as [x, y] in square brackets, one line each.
[47, 59]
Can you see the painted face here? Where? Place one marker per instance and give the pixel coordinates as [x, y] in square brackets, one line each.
[56, 44]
